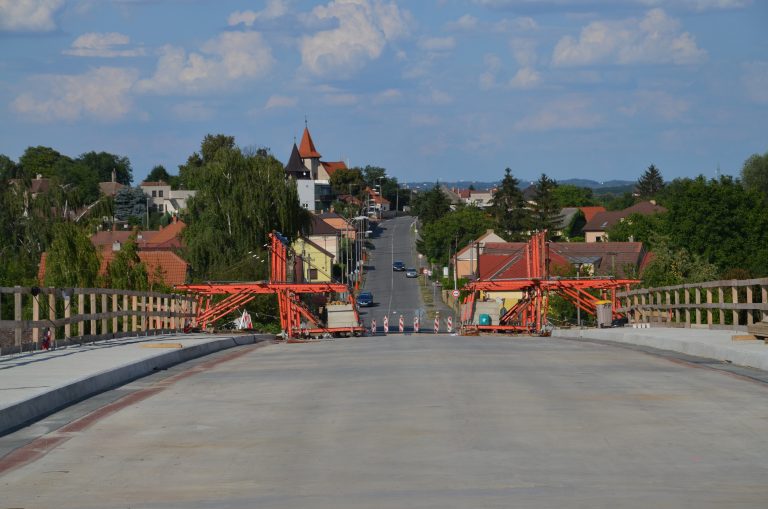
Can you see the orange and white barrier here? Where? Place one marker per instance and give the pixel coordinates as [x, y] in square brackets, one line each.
[386, 325]
[415, 324]
[373, 326]
[450, 325]
[437, 324]
[402, 324]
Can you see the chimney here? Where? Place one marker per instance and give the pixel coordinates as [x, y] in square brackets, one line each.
[114, 175]
[116, 245]
[38, 176]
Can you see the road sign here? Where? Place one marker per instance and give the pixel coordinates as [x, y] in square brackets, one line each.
[456, 293]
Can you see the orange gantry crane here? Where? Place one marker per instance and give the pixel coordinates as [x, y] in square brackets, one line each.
[296, 319]
[529, 314]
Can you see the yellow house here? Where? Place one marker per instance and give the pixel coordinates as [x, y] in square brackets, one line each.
[317, 263]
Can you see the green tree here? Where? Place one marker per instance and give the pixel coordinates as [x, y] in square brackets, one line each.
[72, 260]
[672, 266]
[240, 199]
[441, 237]
[650, 183]
[347, 181]
[508, 208]
[639, 228]
[158, 173]
[754, 173]
[8, 168]
[431, 205]
[190, 174]
[39, 161]
[546, 210]
[126, 271]
[568, 195]
[130, 202]
[621, 202]
[102, 164]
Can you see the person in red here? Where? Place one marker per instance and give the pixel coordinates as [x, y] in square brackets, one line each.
[47, 339]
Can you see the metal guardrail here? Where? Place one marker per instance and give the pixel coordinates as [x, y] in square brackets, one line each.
[726, 304]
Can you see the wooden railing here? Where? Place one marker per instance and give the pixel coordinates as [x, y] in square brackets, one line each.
[86, 314]
[729, 304]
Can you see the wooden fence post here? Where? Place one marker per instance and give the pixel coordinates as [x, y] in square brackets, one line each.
[104, 309]
[687, 300]
[67, 314]
[750, 318]
[126, 318]
[81, 312]
[763, 299]
[36, 317]
[144, 316]
[134, 313]
[115, 309]
[721, 300]
[709, 309]
[52, 313]
[698, 309]
[17, 315]
[677, 305]
[92, 311]
[735, 315]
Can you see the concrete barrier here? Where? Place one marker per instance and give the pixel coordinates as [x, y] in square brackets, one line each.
[711, 344]
[35, 408]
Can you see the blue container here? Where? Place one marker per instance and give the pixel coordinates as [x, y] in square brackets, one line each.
[485, 319]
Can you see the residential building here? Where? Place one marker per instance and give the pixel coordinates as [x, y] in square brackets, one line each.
[316, 263]
[596, 229]
[112, 187]
[466, 259]
[311, 174]
[164, 199]
[345, 227]
[325, 236]
[482, 199]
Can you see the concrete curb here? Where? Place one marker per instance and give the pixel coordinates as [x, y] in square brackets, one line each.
[23, 413]
[753, 356]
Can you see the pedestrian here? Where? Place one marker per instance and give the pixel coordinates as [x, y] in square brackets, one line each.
[47, 339]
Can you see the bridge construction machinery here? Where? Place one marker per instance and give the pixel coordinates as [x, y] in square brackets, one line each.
[297, 319]
[529, 313]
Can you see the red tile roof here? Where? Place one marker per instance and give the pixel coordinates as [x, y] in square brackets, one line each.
[307, 148]
[604, 220]
[110, 188]
[170, 267]
[332, 166]
[503, 260]
[464, 193]
[589, 212]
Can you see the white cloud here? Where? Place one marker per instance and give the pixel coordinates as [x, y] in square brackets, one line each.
[364, 28]
[437, 44]
[193, 111]
[390, 95]
[515, 24]
[755, 79]
[440, 97]
[524, 51]
[273, 10]
[102, 93]
[525, 77]
[230, 57]
[698, 5]
[95, 44]
[424, 119]
[29, 15]
[466, 23]
[281, 101]
[487, 79]
[569, 113]
[658, 103]
[655, 39]
[340, 99]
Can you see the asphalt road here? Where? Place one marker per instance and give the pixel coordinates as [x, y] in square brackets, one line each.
[393, 293]
[409, 421]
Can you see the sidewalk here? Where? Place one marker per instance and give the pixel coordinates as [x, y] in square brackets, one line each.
[712, 344]
[34, 385]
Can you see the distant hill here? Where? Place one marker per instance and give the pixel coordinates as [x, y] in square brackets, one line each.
[607, 187]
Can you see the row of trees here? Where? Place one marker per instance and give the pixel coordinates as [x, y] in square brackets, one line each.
[355, 181]
[712, 228]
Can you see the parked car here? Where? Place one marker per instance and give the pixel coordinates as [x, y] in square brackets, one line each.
[411, 273]
[365, 299]
[398, 266]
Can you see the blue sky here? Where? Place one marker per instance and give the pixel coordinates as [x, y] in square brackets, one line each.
[429, 89]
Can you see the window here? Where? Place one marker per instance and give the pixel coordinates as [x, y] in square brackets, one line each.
[154, 194]
[160, 193]
[312, 274]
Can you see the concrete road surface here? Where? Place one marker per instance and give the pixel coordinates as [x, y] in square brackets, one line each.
[412, 422]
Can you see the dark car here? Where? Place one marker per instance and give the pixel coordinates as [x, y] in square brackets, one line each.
[365, 299]
[411, 273]
[398, 267]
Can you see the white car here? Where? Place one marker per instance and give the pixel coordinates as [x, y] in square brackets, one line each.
[411, 273]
